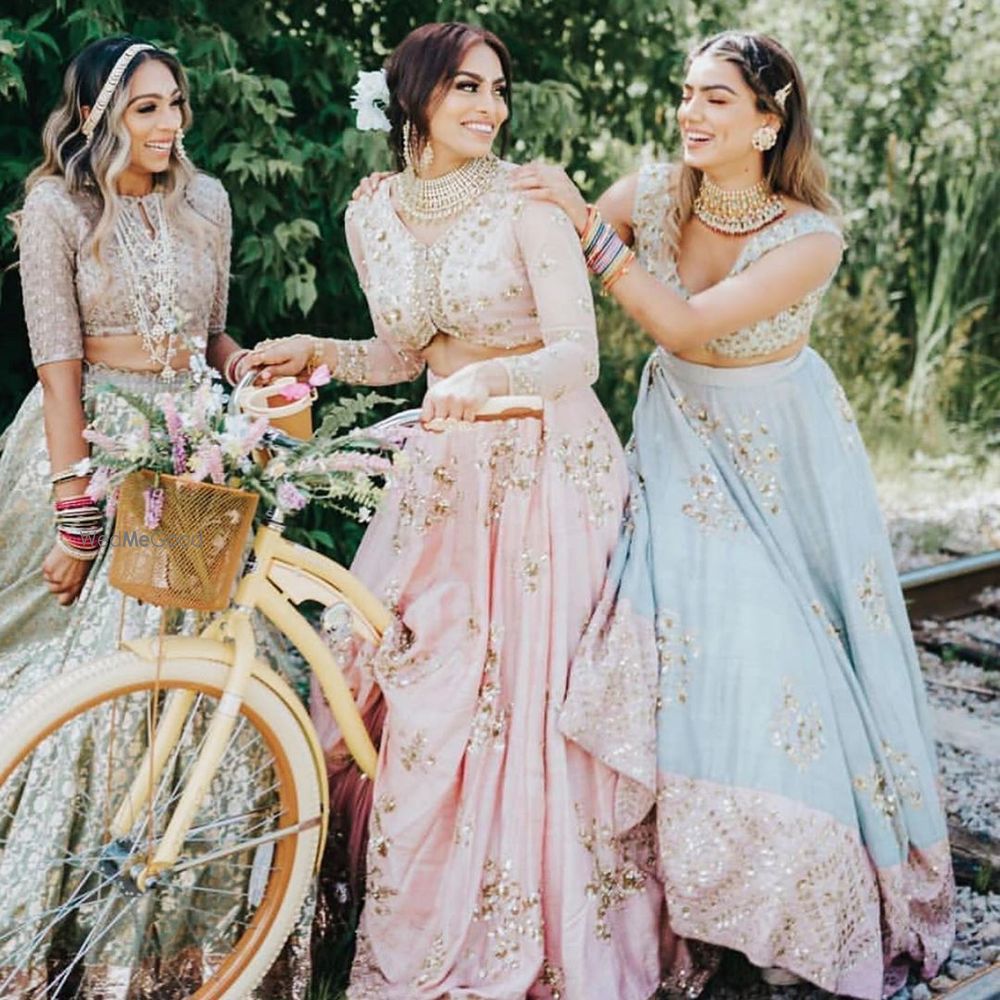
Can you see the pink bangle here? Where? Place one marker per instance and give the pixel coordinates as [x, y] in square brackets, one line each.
[229, 368]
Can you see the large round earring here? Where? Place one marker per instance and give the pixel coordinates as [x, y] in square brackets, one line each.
[179, 144]
[764, 138]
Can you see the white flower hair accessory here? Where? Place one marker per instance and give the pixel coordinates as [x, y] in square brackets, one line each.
[370, 98]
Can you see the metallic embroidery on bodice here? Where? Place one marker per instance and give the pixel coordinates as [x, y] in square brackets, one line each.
[767, 335]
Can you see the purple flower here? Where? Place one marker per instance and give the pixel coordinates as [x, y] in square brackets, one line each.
[290, 498]
[179, 453]
[153, 496]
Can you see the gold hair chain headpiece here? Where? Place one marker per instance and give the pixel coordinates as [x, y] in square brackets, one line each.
[427, 200]
[110, 84]
[737, 213]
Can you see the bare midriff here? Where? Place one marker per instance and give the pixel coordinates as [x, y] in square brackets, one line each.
[445, 354]
[127, 353]
[703, 356]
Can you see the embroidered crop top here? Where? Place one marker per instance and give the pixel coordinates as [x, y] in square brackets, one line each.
[765, 336]
[506, 273]
[68, 293]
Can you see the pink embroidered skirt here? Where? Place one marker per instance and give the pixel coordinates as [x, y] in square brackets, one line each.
[493, 868]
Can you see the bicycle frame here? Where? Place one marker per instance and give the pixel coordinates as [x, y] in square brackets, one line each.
[284, 574]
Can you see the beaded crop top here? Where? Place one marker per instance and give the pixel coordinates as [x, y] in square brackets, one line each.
[767, 335]
[506, 273]
[69, 293]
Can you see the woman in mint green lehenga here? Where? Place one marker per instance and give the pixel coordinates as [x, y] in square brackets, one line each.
[750, 669]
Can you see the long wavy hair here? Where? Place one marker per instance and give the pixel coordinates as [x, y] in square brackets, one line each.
[792, 166]
[97, 166]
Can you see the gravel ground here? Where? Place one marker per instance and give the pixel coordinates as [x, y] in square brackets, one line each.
[936, 509]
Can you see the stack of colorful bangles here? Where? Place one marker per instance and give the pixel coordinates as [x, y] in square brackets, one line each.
[79, 527]
[79, 522]
[606, 253]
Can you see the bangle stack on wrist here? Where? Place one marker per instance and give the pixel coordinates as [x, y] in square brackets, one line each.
[606, 253]
[79, 527]
[229, 368]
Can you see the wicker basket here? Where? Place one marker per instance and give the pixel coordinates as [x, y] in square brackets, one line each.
[191, 559]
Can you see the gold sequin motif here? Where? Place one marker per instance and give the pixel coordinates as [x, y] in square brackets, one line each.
[512, 914]
[797, 731]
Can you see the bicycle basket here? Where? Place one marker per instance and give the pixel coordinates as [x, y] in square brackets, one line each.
[190, 560]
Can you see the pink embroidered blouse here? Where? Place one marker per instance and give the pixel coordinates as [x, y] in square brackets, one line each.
[508, 272]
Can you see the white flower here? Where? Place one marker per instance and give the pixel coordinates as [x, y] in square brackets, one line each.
[370, 97]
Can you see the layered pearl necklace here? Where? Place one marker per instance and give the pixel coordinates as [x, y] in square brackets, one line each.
[150, 268]
[736, 213]
[428, 200]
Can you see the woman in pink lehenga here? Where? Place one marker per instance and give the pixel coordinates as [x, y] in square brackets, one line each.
[493, 869]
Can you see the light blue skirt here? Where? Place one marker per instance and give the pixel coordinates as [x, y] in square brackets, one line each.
[751, 668]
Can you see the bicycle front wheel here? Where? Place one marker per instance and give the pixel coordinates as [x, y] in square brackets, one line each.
[75, 921]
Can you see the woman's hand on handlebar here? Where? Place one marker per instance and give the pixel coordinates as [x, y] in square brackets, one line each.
[462, 395]
[288, 356]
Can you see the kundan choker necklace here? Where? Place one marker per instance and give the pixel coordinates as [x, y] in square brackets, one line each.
[442, 197]
[736, 213]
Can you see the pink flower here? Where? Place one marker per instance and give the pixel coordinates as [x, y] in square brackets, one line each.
[213, 460]
[102, 440]
[97, 488]
[111, 507]
[256, 432]
[173, 418]
[290, 498]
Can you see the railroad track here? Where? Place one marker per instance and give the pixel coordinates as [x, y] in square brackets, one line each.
[950, 589]
[940, 601]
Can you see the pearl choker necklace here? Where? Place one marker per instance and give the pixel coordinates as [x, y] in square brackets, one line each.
[442, 197]
[736, 213]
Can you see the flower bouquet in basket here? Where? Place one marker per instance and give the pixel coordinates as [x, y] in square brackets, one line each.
[179, 477]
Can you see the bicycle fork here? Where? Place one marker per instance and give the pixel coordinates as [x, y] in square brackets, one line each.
[236, 627]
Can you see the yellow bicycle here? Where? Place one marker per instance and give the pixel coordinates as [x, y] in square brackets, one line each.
[182, 720]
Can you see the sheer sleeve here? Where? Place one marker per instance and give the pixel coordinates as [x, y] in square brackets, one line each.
[220, 301]
[376, 361]
[47, 242]
[207, 196]
[556, 270]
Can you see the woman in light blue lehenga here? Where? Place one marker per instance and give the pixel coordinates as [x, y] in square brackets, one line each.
[750, 668]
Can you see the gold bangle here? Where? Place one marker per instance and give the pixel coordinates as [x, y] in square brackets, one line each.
[620, 272]
[318, 355]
